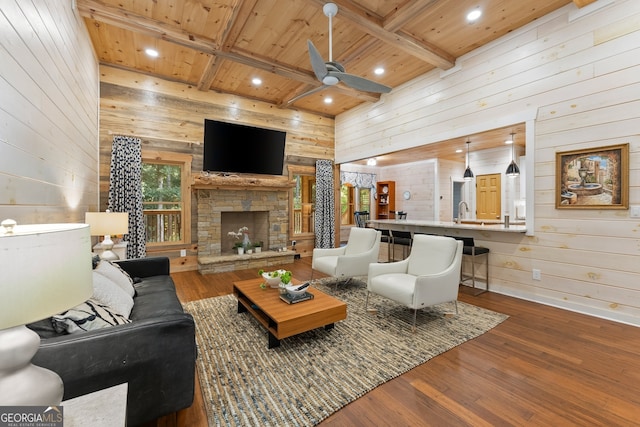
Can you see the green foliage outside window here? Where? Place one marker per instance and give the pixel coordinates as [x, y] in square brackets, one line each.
[162, 202]
[161, 183]
[344, 199]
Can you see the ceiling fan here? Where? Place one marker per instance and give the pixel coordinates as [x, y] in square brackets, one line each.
[331, 73]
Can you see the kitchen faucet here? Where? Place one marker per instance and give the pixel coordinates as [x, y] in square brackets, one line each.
[460, 212]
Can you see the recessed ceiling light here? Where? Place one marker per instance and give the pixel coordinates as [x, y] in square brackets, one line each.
[379, 71]
[256, 81]
[474, 14]
[509, 141]
[459, 150]
[328, 100]
[151, 52]
[372, 162]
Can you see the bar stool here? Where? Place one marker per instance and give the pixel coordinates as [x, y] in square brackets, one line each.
[400, 214]
[402, 238]
[470, 250]
[361, 218]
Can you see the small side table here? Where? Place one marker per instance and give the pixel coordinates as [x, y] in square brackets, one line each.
[103, 408]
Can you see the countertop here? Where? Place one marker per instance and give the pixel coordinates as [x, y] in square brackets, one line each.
[518, 227]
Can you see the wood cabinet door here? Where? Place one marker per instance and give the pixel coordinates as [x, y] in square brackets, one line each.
[488, 196]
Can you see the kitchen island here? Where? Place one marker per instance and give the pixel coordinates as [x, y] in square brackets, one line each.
[446, 227]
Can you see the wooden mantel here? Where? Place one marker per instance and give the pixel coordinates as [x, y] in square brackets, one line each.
[242, 182]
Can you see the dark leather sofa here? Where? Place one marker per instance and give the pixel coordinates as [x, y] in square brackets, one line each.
[155, 353]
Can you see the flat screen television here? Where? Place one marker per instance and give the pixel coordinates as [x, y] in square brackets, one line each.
[234, 148]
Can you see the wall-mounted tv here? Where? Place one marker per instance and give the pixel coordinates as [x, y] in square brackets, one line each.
[234, 148]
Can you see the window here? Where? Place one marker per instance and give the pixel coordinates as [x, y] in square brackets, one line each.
[353, 199]
[166, 200]
[347, 204]
[365, 199]
[303, 200]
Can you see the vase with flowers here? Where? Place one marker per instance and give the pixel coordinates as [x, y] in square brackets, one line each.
[241, 246]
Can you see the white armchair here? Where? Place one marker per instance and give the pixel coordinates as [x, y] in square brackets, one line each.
[351, 260]
[430, 275]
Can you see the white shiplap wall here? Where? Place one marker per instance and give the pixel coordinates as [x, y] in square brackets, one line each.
[573, 77]
[49, 103]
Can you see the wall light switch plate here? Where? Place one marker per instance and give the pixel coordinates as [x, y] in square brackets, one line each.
[183, 252]
[634, 211]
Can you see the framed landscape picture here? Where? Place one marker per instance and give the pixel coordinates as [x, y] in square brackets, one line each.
[596, 178]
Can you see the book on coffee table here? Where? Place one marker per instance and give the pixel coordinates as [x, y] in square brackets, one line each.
[289, 299]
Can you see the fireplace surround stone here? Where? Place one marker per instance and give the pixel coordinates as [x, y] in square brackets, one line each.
[228, 195]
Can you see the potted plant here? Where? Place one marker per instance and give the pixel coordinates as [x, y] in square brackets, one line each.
[276, 278]
[257, 247]
[238, 247]
[241, 246]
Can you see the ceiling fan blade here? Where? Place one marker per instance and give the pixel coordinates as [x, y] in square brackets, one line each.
[317, 63]
[310, 92]
[360, 83]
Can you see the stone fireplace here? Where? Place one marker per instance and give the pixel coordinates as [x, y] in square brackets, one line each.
[226, 204]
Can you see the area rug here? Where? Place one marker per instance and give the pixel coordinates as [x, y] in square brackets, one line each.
[316, 373]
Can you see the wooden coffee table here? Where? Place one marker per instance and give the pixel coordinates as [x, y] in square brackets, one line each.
[284, 320]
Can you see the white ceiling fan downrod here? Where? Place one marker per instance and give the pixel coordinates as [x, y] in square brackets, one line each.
[330, 10]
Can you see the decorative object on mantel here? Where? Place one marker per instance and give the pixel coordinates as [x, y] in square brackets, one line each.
[384, 341]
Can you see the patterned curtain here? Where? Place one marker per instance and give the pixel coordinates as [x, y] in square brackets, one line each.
[325, 211]
[125, 190]
[360, 180]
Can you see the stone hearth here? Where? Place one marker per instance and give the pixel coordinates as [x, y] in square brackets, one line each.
[270, 203]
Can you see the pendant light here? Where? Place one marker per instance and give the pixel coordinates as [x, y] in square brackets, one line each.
[512, 169]
[468, 175]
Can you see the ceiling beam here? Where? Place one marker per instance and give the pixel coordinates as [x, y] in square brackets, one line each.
[120, 18]
[583, 3]
[367, 22]
[398, 18]
[212, 67]
[97, 10]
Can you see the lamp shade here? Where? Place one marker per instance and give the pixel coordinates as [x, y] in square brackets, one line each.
[45, 269]
[468, 175]
[107, 223]
[513, 169]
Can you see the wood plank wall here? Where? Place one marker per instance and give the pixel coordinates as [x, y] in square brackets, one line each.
[169, 116]
[49, 90]
[573, 77]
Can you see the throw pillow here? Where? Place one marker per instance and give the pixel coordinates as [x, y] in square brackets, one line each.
[87, 316]
[117, 275]
[108, 293]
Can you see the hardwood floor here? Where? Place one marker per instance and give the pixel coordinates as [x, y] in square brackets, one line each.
[542, 366]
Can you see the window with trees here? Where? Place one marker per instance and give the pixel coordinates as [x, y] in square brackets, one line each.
[353, 199]
[165, 198]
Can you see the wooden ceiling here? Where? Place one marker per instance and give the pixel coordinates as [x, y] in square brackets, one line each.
[221, 45]
[446, 150]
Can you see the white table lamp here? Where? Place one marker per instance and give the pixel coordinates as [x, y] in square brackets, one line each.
[107, 224]
[45, 269]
